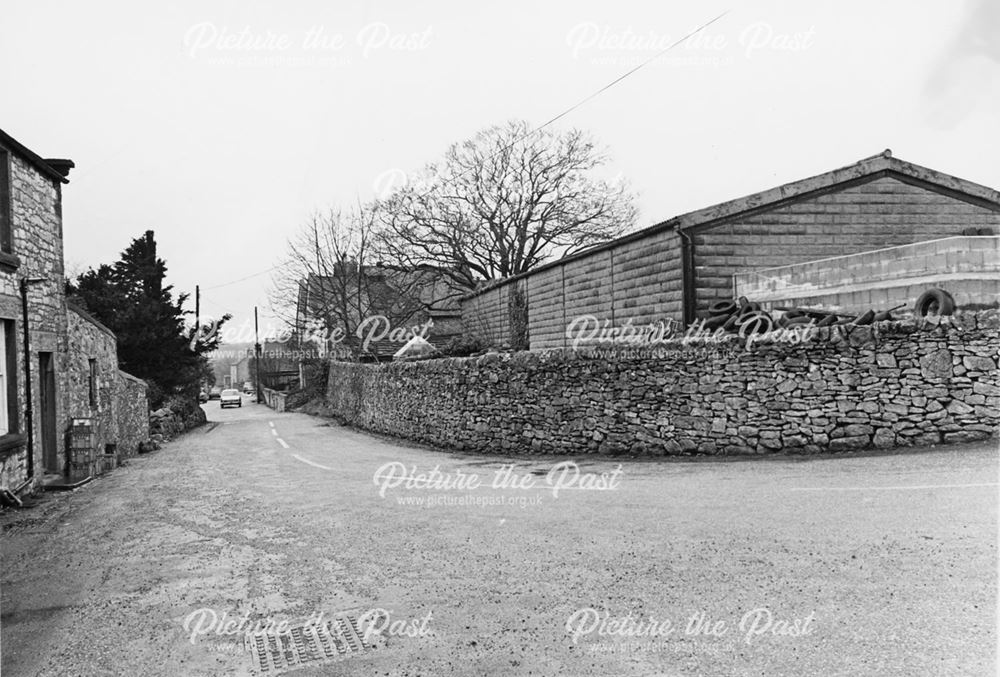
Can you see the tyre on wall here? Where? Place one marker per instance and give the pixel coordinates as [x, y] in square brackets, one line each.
[725, 308]
[795, 320]
[864, 318]
[715, 321]
[934, 302]
[756, 322]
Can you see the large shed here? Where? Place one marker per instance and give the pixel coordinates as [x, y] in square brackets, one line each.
[675, 269]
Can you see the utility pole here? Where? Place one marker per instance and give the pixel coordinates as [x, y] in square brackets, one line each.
[197, 312]
[196, 336]
[256, 348]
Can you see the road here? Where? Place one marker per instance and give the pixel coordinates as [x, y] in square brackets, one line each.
[865, 565]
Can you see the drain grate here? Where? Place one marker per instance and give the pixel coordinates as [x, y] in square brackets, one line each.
[304, 644]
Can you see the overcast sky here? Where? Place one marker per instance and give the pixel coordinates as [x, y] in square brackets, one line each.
[223, 125]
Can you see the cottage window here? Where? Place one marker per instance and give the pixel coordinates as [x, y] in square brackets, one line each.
[8, 382]
[93, 383]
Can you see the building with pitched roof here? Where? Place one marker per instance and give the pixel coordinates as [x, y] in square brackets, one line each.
[64, 404]
[678, 268]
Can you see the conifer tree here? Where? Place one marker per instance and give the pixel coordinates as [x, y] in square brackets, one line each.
[154, 343]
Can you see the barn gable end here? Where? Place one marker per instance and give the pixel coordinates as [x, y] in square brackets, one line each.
[882, 211]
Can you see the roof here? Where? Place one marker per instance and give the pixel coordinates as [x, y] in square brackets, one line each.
[870, 168]
[425, 285]
[135, 379]
[70, 305]
[883, 164]
[385, 349]
[36, 161]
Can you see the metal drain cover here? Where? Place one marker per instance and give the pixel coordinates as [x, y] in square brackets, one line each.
[304, 644]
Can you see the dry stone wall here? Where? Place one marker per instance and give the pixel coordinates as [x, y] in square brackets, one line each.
[845, 388]
[131, 414]
[119, 408]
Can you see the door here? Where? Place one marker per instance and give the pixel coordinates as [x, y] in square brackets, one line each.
[47, 420]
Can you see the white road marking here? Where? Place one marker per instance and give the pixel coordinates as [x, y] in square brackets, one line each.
[899, 488]
[274, 432]
[283, 443]
[271, 423]
[306, 460]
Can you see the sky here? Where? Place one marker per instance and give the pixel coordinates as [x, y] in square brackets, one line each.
[222, 125]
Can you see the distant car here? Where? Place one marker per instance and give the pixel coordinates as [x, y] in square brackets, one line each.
[230, 398]
[248, 387]
[203, 396]
[215, 393]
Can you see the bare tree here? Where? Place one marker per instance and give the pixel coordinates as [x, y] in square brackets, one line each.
[504, 202]
[334, 284]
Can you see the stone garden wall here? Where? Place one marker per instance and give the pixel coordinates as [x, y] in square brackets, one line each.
[275, 399]
[131, 414]
[116, 402]
[842, 388]
[177, 415]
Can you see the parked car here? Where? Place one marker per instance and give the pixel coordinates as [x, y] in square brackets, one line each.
[247, 387]
[203, 396]
[230, 397]
[215, 393]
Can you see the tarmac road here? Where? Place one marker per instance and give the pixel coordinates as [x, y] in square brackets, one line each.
[863, 565]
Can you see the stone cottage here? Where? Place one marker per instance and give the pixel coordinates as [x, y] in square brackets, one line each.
[676, 269]
[58, 366]
[374, 310]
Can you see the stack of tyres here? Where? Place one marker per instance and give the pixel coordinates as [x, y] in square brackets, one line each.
[934, 302]
[747, 316]
[731, 316]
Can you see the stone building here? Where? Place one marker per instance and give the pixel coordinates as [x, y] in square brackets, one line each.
[375, 309]
[96, 389]
[676, 269]
[72, 361]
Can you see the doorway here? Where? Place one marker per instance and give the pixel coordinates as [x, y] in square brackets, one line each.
[47, 420]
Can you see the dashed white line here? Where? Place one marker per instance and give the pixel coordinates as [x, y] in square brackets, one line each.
[283, 443]
[271, 423]
[306, 460]
[899, 488]
[274, 432]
